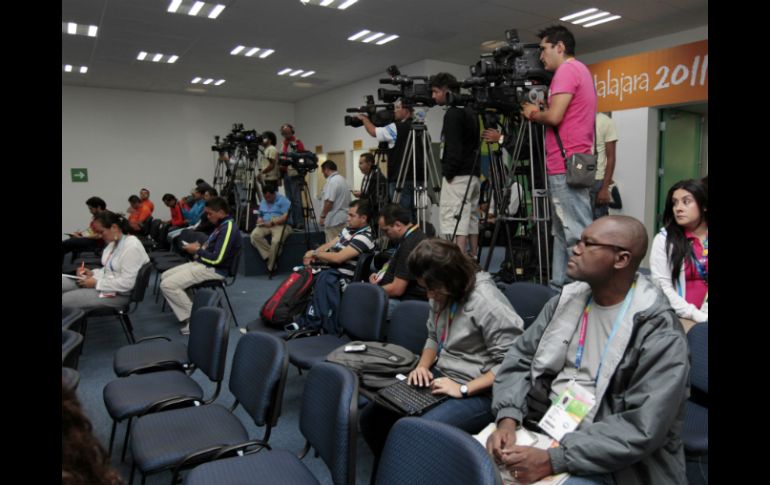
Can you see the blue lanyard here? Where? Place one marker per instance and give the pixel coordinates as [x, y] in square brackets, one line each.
[700, 264]
[581, 343]
[112, 253]
[445, 333]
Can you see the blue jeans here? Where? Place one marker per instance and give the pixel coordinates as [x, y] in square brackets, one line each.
[570, 214]
[605, 479]
[291, 186]
[602, 210]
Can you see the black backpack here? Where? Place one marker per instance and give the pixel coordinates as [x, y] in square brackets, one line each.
[376, 366]
[289, 300]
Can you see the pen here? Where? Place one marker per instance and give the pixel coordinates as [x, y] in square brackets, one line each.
[82, 267]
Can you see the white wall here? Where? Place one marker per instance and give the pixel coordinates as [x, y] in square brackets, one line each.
[132, 139]
[637, 162]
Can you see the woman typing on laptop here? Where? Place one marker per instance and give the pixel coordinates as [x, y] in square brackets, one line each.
[471, 325]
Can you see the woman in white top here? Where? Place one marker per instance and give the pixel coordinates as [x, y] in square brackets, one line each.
[679, 257]
[111, 285]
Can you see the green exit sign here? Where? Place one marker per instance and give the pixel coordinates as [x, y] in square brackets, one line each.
[79, 174]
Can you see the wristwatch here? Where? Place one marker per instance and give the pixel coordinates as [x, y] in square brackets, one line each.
[464, 390]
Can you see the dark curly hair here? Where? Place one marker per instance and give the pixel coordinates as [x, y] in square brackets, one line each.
[444, 267]
[83, 460]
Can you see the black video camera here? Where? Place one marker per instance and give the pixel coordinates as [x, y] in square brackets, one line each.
[379, 118]
[413, 90]
[249, 141]
[502, 80]
[303, 162]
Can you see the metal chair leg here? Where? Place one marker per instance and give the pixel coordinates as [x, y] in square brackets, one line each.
[125, 441]
[235, 320]
[112, 436]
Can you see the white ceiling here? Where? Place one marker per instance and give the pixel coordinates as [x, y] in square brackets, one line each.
[315, 38]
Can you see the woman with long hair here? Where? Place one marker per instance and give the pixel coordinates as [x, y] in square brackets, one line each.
[679, 258]
[110, 285]
[471, 325]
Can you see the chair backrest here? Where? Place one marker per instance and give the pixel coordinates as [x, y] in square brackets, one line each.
[232, 271]
[363, 310]
[409, 325]
[155, 230]
[205, 297]
[145, 227]
[142, 280]
[258, 376]
[70, 342]
[163, 235]
[363, 270]
[70, 316]
[329, 417]
[528, 299]
[70, 378]
[209, 336]
[420, 451]
[695, 430]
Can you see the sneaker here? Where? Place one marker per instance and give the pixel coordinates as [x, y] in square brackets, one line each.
[185, 330]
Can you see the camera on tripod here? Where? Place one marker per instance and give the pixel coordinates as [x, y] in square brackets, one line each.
[247, 140]
[303, 162]
[502, 80]
[413, 90]
[379, 118]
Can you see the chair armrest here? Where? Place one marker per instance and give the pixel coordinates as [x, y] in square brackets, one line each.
[153, 337]
[303, 332]
[157, 366]
[234, 449]
[171, 402]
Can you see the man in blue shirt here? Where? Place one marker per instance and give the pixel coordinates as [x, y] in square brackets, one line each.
[273, 213]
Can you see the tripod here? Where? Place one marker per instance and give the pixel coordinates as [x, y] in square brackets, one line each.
[431, 181]
[537, 183]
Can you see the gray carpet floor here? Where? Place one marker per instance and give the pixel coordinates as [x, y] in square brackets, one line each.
[247, 295]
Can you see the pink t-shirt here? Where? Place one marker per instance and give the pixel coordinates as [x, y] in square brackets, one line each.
[695, 288]
[577, 127]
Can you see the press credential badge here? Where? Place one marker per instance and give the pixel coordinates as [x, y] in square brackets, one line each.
[569, 409]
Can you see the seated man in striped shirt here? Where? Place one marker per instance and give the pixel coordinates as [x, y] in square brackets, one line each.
[356, 238]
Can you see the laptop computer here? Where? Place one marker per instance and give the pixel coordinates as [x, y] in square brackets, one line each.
[410, 400]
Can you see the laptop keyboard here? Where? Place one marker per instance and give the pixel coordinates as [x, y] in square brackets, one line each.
[411, 400]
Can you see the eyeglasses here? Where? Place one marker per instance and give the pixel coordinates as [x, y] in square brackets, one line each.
[588, 244]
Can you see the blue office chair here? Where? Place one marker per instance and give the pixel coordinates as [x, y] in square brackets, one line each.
[420, 451]
[695, 430]
[409, 325]
[528, 299]
[327, 420]
[182, 438]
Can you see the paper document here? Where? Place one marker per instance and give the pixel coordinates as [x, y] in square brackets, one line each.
[73, 277]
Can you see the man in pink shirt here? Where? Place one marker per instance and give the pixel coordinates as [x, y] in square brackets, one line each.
[571, 108]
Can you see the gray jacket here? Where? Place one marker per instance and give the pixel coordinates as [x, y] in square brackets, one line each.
[634, 430]
[482, 331]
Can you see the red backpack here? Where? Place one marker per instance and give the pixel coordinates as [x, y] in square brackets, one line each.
[289, 300]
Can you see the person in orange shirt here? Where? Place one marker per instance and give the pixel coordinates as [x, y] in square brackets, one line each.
[144, 194]
[139, 213]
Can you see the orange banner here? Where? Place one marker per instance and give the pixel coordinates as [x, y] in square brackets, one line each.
[656, 78]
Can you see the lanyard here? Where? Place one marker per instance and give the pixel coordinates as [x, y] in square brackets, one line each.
[213, 236]
[700, 263]
[381, 272]
[112, 254]
[365, 183]
[339, 244]
[615, 326]
[450, 317]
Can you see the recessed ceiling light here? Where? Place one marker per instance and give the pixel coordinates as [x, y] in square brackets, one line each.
[196, 8]
[208, 81]
[219, 83]
[309, 73]
[92, 30]
[608, 19]
[284, 71]
[141, 56]
[579, 14]
[588, 17]
[347, 4]
[83, 69]
[216, 11]
[174, 6]
[387, 39]
[72, 27]
[296, 73]
[326, 3]
[172, 59]
[237, 50]
[373, 37]
[68, 68]
[252, 51]
[73, 69]
[359, 35]
[196, 80]
[157, 58]
[266, 53]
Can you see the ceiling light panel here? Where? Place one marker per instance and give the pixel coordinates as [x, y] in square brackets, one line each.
[207, 81]
[590, 17]
[196, 8]
[335, 4]
[157, 57]
[73, 28]
[245, 51]
[75, 69]
[370, 36]
[291, 72]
